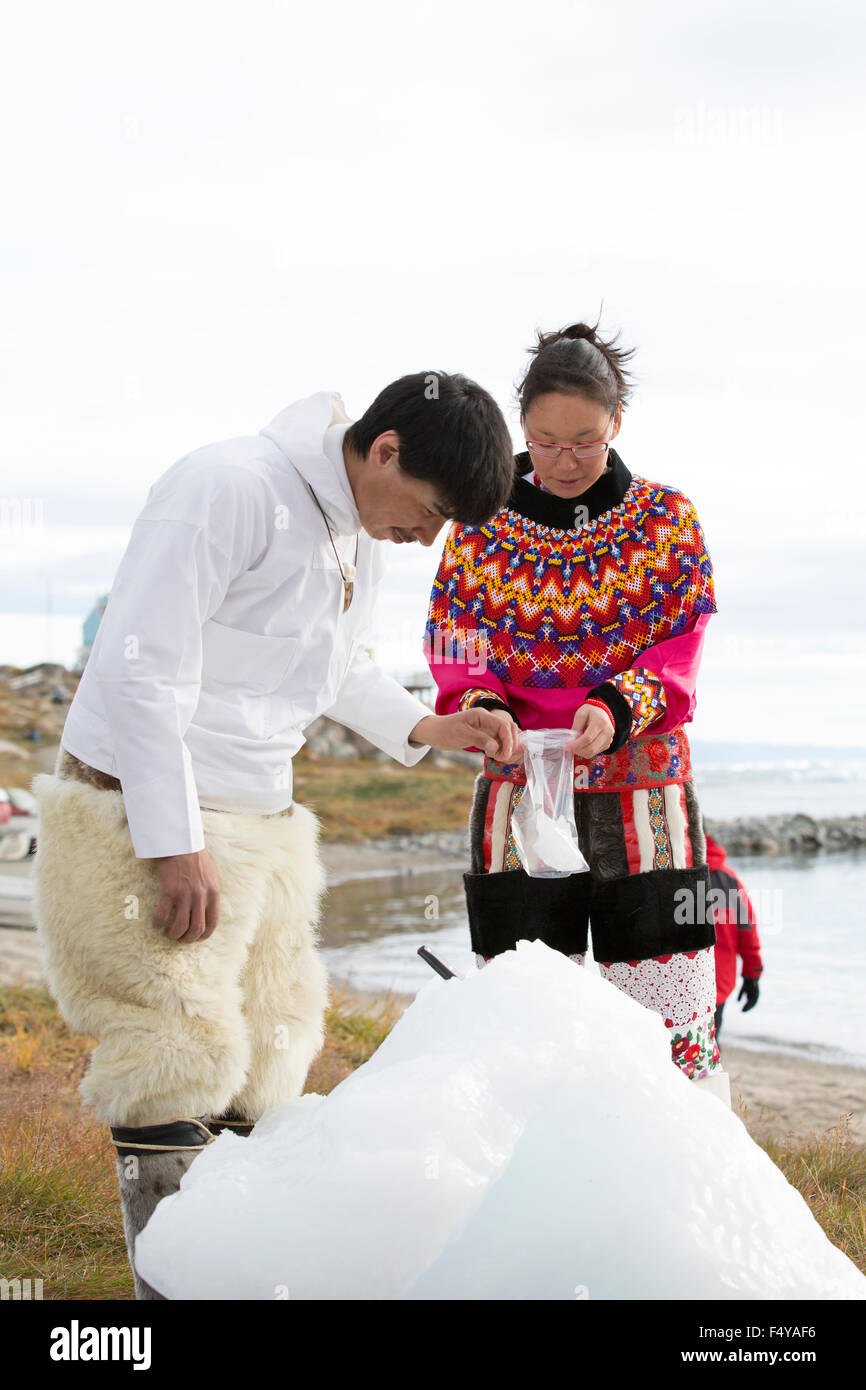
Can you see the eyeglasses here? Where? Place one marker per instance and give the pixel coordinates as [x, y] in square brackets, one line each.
[580, 451]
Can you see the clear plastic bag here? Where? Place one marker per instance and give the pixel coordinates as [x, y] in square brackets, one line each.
[543, 819]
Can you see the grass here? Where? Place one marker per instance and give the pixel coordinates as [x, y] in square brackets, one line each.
[59, 1209]
[357, 799]
[59, 1212]
[18, 771]
[830, 1172]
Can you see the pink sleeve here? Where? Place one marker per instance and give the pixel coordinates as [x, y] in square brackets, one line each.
[676, 661]
[455, 677]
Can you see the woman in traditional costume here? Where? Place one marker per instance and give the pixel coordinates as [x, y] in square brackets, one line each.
[582, 605]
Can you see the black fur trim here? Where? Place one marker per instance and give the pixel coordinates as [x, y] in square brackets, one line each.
[636, 918]
[496, 704]
[511, 906]
[598, 817]
[477, 817]
[620, 713]
[697, 836]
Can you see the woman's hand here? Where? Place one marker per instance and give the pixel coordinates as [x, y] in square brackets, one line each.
[491, 730]
[594, 728]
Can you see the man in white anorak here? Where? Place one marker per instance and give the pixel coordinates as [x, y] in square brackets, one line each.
[177, 883]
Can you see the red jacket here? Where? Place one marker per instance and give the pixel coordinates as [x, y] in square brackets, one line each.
[736, 925]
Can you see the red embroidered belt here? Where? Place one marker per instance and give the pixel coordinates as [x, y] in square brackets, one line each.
[653, 760]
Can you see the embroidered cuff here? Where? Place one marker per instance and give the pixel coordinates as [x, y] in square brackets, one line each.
[470, 698]
[645, 696]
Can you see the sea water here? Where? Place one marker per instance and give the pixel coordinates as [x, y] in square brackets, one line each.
[811, 927]
[733, 781]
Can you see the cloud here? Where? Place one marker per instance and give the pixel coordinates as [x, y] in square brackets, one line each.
[221, 210]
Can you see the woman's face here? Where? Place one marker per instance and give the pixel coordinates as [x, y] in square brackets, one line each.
[559, 418]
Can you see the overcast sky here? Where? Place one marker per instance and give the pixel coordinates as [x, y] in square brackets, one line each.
[213, 209]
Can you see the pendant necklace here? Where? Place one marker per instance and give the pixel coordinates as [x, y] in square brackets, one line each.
[347, 574]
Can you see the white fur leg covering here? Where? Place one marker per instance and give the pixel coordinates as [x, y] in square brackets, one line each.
[284, 985]
[174, 1034]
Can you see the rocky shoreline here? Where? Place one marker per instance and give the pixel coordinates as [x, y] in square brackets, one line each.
[759, 835]
[788, 834]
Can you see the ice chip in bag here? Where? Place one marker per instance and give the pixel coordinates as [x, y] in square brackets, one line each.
[543, 820]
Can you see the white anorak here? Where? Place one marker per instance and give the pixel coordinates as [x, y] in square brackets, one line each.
[224, 636]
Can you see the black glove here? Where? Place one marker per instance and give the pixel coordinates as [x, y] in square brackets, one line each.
[750, 990]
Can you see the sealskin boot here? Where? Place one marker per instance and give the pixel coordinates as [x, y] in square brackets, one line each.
[718, 1083]
[238, 1124]
[151, 1160]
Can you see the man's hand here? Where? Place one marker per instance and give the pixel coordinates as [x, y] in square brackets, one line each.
[491, 730]
[594, 730]
[188, 907]
[749, 991]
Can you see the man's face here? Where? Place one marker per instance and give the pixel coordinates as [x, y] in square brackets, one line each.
[392, 505]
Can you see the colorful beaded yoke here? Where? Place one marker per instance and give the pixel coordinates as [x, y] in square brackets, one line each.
[568, 608]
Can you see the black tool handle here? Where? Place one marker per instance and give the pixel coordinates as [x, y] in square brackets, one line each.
[438, 965]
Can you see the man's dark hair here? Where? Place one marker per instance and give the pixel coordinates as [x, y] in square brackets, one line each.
[452, 434]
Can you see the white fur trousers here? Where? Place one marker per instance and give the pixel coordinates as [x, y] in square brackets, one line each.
[228, 1023]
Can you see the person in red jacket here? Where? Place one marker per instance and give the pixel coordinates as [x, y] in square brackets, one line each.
[736, 933]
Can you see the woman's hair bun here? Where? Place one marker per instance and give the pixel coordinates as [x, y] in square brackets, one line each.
[576, 360]
[573, 331]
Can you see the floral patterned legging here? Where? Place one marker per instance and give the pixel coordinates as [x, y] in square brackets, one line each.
[623, 834]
